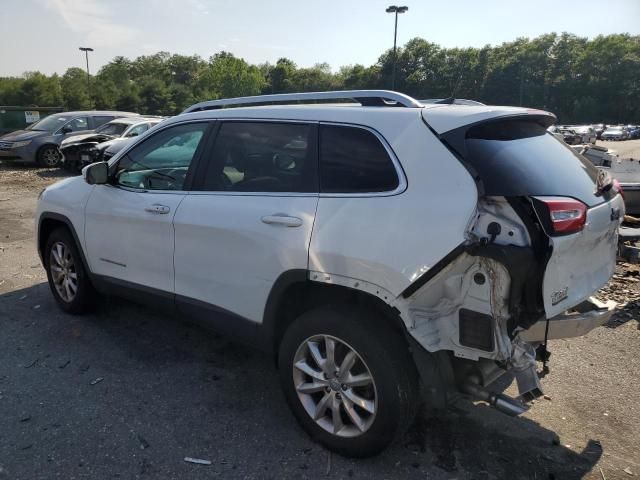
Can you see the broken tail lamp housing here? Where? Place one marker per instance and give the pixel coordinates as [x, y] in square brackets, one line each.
[561, 215]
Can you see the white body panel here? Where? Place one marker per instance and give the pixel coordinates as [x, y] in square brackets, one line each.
[67, 197]
[583, 262]
[125, 240]
[225, 253]
[391, 241]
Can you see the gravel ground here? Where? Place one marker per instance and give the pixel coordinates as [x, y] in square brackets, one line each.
[128, 393]
[626, 149]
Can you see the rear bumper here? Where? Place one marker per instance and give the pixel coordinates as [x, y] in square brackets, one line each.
[588, 315]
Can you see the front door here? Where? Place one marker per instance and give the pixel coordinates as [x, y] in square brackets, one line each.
[128, 229]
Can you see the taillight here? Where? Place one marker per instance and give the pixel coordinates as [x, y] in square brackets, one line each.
[565, 215]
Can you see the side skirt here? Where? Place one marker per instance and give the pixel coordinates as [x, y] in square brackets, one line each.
[212, 317]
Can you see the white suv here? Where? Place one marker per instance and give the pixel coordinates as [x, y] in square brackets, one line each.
[384, 250]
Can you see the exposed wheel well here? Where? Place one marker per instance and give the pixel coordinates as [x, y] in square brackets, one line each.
[47, 226]
[303, 296]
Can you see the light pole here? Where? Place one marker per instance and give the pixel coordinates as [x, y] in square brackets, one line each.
[395, 9]
[86, 51]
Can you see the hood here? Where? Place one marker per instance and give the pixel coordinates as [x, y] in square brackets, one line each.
[444, 118]
[114, 141]
[21, 135]
[85, 138]
[115, 147]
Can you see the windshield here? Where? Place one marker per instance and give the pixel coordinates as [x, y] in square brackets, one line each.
[50, 123]
[615, 130]
[112, 128]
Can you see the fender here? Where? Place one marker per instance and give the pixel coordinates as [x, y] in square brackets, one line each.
[62, 219]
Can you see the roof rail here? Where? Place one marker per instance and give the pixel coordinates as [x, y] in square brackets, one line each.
[451, 101]
[373, 98]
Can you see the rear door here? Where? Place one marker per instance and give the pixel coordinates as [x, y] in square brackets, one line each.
[519, 158]
[249, 218]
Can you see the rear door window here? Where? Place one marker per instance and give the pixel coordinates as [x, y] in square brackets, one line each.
[520, 158]
[353, 160]
[263, 157]
[101, 120]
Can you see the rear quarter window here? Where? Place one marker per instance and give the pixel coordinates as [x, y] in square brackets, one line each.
[353, 160]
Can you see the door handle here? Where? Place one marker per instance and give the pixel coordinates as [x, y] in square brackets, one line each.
[157, 208]
[281, 219]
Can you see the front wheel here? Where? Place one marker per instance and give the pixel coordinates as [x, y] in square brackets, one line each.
[67, 276]
[49, 156]
[349, 379]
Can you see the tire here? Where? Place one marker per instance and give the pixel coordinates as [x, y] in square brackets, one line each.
[62, 262]
[49, 156]
[390, 398]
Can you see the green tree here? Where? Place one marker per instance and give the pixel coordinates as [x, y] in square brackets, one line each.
[74, 89]
[229, 76]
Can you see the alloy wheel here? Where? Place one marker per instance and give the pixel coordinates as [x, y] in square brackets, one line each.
[50, 157]
[335, 386]
[63, 271]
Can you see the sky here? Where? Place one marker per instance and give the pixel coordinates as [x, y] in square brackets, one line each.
[44, 35]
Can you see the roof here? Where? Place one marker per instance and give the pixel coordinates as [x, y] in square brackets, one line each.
[98, 112]
[374, 107]
[134, 119]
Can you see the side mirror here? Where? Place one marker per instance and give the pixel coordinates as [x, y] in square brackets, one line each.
[96, 173]
[133, 134]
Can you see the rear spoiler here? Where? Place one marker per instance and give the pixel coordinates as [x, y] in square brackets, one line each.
[456, 139]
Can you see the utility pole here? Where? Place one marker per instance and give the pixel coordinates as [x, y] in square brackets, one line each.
[86, 51]
[395, 9]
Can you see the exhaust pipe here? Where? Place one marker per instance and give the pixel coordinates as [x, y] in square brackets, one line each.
[501, 402]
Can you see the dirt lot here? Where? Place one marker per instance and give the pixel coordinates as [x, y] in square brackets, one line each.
[626, 149]
[128, 393]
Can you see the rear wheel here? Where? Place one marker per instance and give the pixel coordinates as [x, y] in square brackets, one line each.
[348, 379]
[49, 156]
[67, 277]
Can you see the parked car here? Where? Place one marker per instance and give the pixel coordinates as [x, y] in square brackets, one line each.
[626, 171]
[570, 136]
[615, 133]
[81, 150]
[352, 243]
[587, 134]
[39, 142]
[555, 131]
[633, 131]
[599, 128]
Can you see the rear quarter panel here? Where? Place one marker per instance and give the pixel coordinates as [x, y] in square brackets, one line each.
[389, 241]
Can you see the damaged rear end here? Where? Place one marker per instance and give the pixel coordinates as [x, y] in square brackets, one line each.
[543, 240]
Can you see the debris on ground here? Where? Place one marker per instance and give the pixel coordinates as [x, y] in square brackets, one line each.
[96, 380]
[143, 442]
[199, 461]
[32, 363]
[628, 471]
